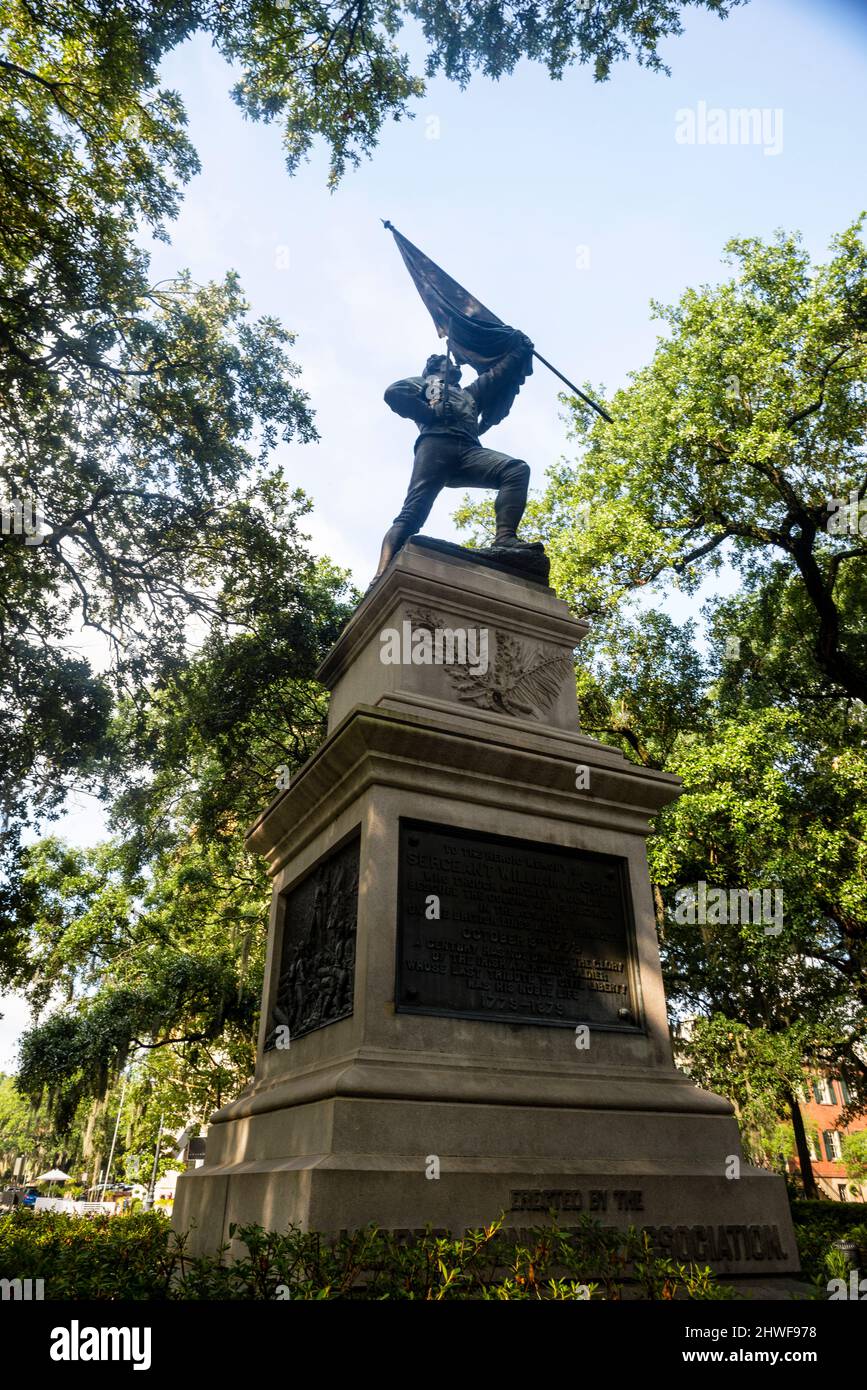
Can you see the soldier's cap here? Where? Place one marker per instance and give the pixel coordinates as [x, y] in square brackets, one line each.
[434, 366]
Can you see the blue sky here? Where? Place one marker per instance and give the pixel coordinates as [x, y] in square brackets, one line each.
[523, 173]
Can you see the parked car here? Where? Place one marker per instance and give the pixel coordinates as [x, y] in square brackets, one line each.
[29, 1198]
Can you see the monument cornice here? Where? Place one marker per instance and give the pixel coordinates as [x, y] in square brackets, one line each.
[376, 1074]
[459, 759]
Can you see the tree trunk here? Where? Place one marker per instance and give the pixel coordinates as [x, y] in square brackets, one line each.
[804, 1160]
[832, 660]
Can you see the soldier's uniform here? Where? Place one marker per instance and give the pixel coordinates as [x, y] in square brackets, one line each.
[448, 452]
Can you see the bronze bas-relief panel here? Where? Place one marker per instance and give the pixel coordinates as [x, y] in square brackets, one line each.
[317, 963]
[525, 932]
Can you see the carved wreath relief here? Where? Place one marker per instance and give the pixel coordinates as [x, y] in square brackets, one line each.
[523, 678]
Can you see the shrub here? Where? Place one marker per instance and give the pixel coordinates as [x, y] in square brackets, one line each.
[99, 1257]
[138, 1256]
[818, 1225]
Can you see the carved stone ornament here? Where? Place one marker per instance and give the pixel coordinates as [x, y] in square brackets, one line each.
[516, 678]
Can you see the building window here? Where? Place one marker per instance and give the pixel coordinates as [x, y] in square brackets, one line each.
[833, 1147]
[823, 1092]
[844, 1091]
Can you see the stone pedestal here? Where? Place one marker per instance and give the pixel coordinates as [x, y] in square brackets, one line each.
[462, 975]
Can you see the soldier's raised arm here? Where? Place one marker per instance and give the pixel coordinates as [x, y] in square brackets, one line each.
[506, 376]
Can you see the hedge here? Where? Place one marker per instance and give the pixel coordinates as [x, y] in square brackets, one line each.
[139, 1256]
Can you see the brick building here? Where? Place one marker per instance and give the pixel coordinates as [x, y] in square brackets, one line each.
[822, 1101]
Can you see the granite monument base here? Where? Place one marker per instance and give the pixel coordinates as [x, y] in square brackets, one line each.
[338, 1164]
[463, 1014]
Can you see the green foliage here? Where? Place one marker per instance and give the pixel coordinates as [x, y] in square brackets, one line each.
[464, 36]
[731, 443]
[137, 418]
[89, 1257]
[22, 1128]
[730, 446]
[141, 419]
[855, 1154]
[757, 1068]
[781, 1140]
[324, 71]
[817, 1226]
[29, 1129]
[140, 1257]
[773, 801]
[160, 508]
[643, 684]
[152, 945]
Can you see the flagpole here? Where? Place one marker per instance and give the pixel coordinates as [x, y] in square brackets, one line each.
[572, 387]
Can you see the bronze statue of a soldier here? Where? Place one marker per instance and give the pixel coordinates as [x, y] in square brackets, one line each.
[448, 452]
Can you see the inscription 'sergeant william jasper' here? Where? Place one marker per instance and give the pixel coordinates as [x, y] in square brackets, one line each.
[526, 932]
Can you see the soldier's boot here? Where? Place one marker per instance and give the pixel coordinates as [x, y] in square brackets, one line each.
[510, 502]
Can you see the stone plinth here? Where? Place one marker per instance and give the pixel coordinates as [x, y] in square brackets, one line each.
[462, 959]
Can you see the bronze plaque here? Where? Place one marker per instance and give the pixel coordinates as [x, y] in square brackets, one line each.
[513, 930]
[317, 960]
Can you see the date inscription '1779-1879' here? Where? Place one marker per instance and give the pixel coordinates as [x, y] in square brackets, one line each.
[496, 928]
